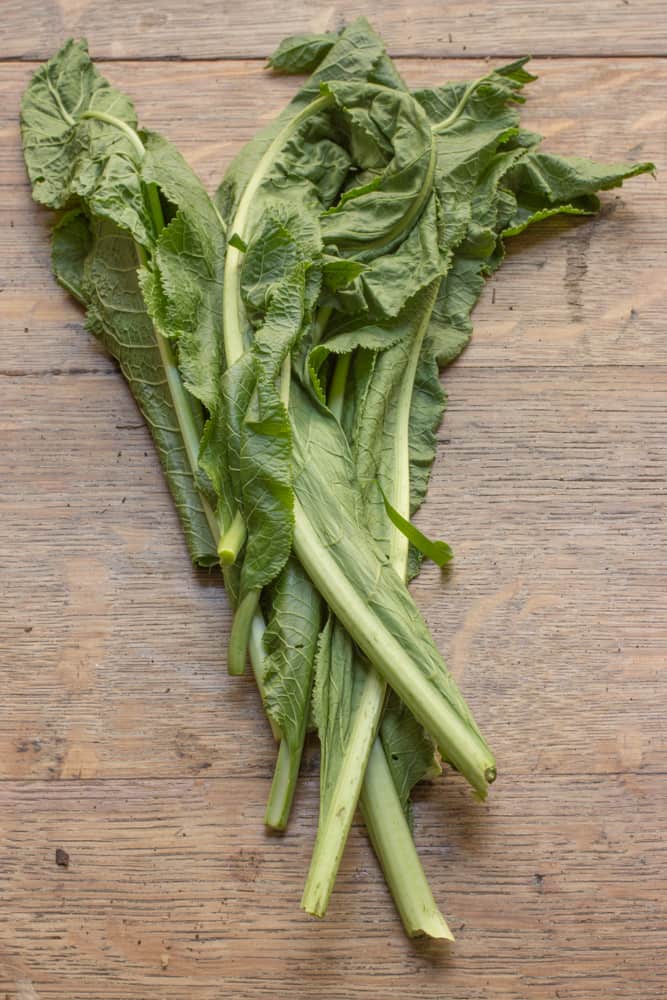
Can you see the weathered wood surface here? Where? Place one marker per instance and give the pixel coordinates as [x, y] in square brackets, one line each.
[212, 29]
[163, 900]
[123, 741]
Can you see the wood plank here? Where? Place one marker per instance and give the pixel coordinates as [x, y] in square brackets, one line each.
[549, 483]
[210, 29]
[173, 890]
[582, 293]
[550, 487]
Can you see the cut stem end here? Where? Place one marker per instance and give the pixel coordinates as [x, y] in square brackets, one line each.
[231, 541]
[283, 786]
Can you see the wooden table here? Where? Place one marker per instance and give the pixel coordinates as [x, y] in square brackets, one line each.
[122, 740]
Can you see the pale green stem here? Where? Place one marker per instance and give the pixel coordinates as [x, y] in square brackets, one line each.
[283, 786]
[333, 830]
[102, 116]
[285, 380]
[394, 846]
[364, 749]
[233, 313]
[338, 383]
[319, 326]
[241, 631]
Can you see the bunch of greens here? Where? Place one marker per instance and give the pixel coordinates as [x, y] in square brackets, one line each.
[283, 342]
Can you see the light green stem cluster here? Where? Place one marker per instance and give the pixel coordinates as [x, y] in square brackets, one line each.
[365, 775]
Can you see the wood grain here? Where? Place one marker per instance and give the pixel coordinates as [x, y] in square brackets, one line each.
[213, 29]
[173, 891]
[123, 741]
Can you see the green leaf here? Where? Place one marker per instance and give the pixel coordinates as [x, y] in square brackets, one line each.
[183, 288]
[426, 411]
[451, 328]
[355, 56]
[81, 147]
[558, 179]
[390, 134]
[117, 316]
[391, 279]
[57, 142]
[71, 155]
[408, 749]
[238, 243]
[290, 642]
[302, 53]
[516, 71]
[528, 212]
[279, 285]
[220, 453]
[266, 497]
[455, 106]
[71, 243]
[438, 552]
[338, 272]
[541, 185]
[339, 682]
[285, 241]
[380, 435]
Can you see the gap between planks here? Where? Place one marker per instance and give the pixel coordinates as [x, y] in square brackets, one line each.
[638, 772]
[657, 366]
[415, 56]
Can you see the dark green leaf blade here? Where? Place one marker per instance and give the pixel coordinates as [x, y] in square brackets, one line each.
[290, 643]
[301, 53]
[390, 136]
[358, 54]
[437, 551]
[59, 93]
[117, 316]
[68, 154]
[71, 243]
[560, 179]
[409, 750]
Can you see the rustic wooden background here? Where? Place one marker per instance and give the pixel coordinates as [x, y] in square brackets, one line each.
[122, 740]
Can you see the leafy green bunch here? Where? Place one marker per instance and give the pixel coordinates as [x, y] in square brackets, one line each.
[283, 342]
